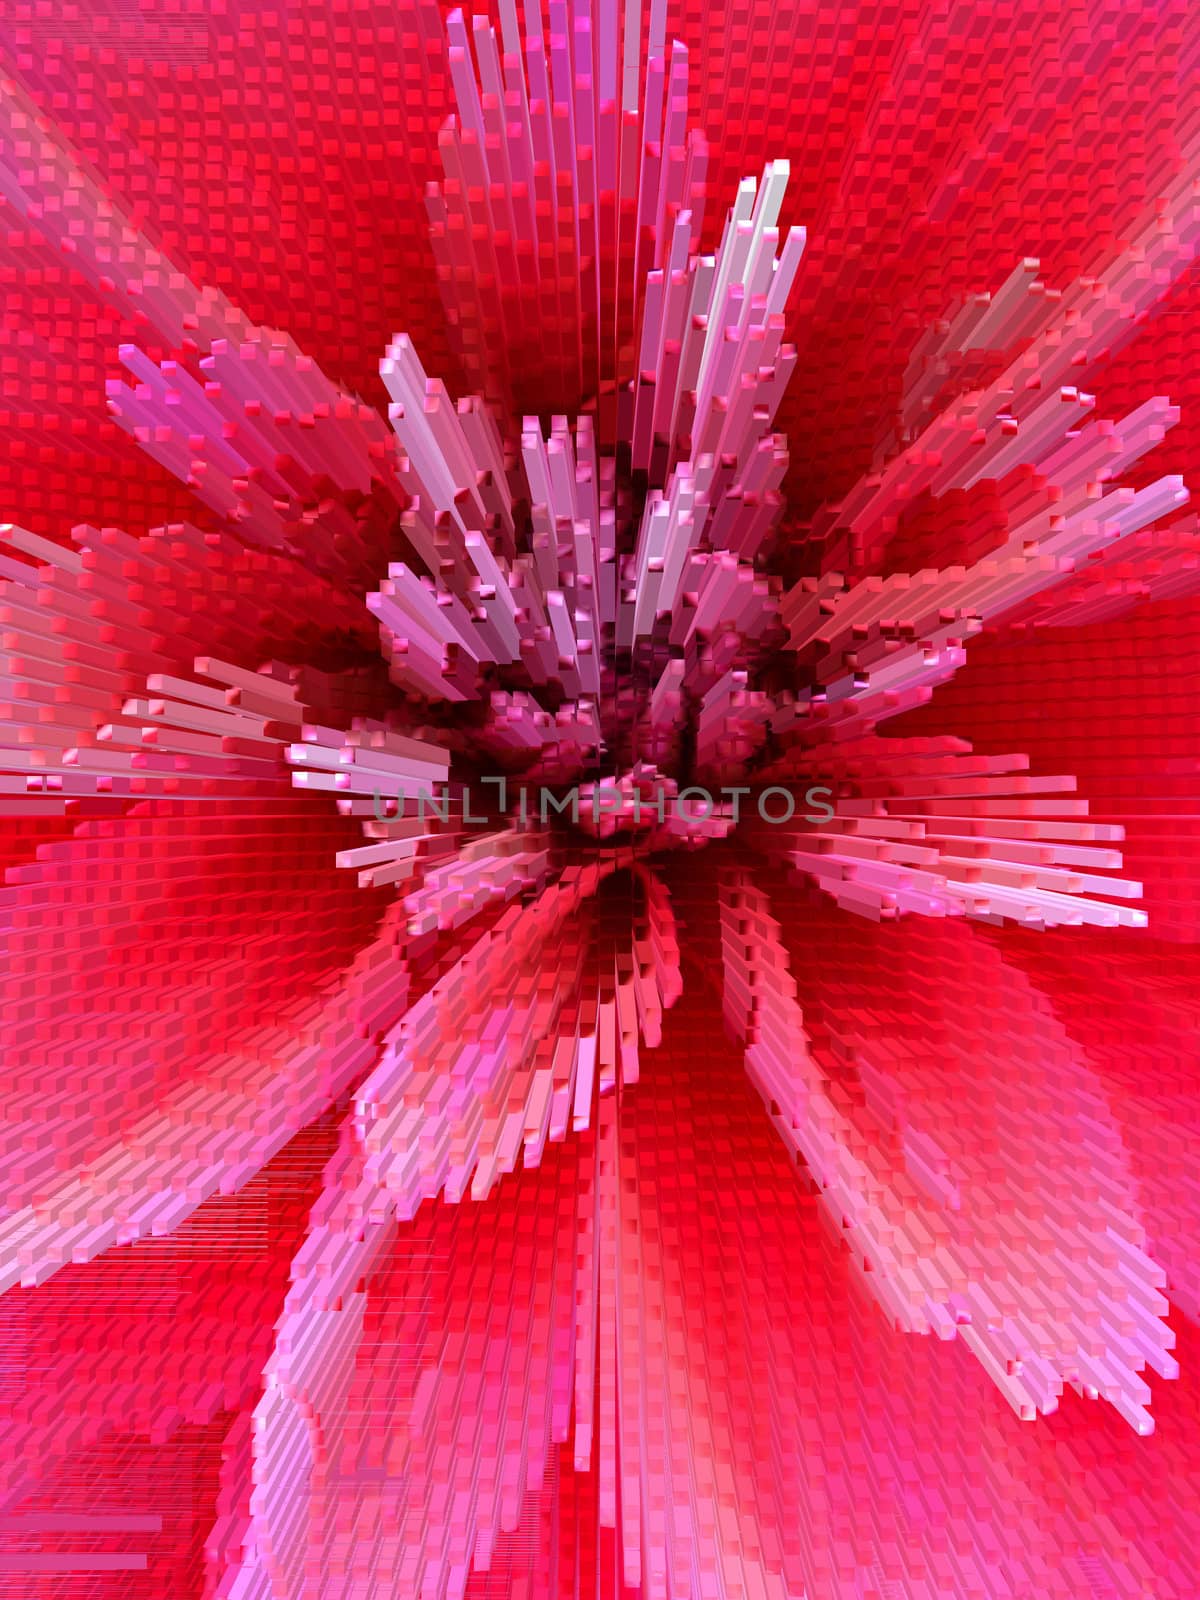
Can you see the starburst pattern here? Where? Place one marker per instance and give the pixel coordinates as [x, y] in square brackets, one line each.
[507, 862]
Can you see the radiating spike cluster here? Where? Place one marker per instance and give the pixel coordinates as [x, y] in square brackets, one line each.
[919, 827]
[486, 871]
[217, 1105]
[558, 606]
[712, 365]
[955, 349]
[102, 694]
[447, 1111]
[561, 188]
[352, 834]
[879, 633]
[717, 395]
[1097, 1327]
[263, 439]
[1162, 563]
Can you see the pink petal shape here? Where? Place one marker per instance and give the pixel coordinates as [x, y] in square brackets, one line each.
[154, 1068]
[1017, 1230]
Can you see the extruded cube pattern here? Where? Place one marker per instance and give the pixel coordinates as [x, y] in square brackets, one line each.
[599, 800]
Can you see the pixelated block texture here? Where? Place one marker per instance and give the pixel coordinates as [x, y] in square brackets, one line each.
[1133, 1009]
[282, 155]
[92, 639]
[806, 1451]
[277, 154]
[113, 1446]
[696, 1204]
[924, 825]
[928, 141]
[181, 996]
[1112, 702]
[977, 1230]
[622, 1352]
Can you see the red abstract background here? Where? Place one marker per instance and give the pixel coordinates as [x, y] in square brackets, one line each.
[667, 1198]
